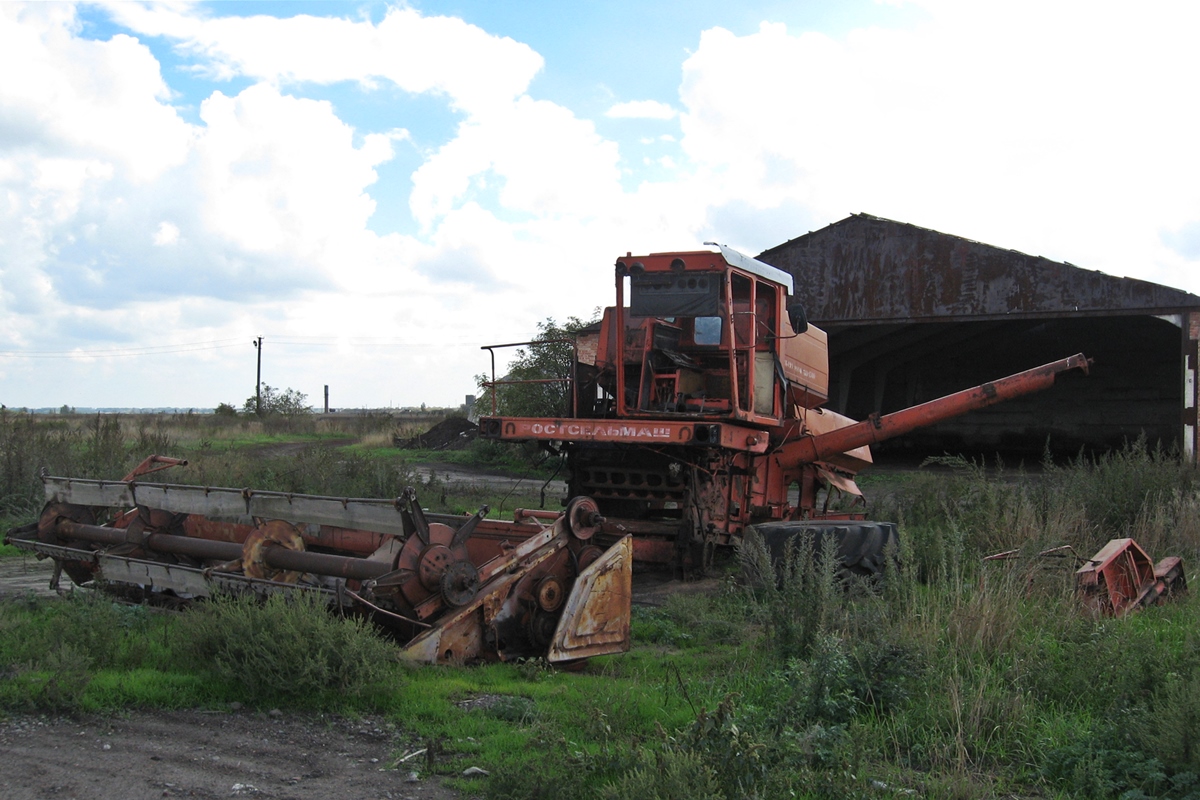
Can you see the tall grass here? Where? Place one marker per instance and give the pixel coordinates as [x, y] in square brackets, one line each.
[960, 677]
[955, 678]
[955, 514]
[268, 454]
[70, 654]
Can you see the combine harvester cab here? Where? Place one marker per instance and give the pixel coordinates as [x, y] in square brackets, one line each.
[448, 588]
[696, 411]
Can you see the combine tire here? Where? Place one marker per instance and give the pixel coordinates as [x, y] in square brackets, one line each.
[863, 548]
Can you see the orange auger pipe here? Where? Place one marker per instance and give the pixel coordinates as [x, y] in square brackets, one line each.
[876, 428]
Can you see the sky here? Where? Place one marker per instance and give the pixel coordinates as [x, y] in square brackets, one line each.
[380, 189]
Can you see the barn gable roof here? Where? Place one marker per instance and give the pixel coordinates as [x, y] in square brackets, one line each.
[868, 268]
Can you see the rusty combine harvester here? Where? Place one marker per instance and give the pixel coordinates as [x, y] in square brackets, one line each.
[696, 412]
[449, 588]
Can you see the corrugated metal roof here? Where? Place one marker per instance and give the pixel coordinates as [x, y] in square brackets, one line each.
[867, 268]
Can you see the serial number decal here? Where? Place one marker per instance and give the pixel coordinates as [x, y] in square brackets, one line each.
[797, 366]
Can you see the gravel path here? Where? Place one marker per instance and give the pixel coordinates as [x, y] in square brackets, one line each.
[145, 754]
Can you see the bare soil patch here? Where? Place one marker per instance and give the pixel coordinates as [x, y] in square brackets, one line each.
[156, 754]
[25, 575]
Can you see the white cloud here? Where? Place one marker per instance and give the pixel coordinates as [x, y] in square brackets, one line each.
[417, 53]
[1060, 129]
[270, 191]
[641, 109]
[548, 162]
[67, 96]
[166, 235]
[281, 173]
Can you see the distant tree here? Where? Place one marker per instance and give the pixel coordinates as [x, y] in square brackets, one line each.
[66, 409]
[550, 358]
[287, 402]
[225, 410]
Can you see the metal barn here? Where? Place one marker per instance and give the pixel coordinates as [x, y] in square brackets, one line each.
[913, 314]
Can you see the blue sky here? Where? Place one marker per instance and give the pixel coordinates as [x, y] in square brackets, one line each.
[380, 189]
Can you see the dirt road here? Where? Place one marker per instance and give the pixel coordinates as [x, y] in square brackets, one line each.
[158, 754]
[457, 476]
[25, 575]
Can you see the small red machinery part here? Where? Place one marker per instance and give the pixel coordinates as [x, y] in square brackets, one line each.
[1121, 578]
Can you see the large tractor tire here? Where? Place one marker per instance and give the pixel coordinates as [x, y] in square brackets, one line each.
[863, 548]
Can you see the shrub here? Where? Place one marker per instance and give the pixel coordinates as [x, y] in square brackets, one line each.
[797, 598]
[52, 650]
[57, 680]
[288, 647]
[668, 774]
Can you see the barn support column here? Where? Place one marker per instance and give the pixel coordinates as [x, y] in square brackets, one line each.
[1191, 386]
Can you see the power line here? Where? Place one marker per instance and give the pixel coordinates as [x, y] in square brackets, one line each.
[366, 341]
[217, 344]
[122, 352]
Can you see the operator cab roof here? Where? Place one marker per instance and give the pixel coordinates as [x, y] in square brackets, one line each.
[753, 265]
[731, 257]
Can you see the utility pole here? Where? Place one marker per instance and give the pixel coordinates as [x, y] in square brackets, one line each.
[258, 378]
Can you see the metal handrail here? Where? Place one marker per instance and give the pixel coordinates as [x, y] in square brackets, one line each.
[493, 383]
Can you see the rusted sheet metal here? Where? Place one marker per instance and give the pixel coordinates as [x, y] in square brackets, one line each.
[381, 516]
[1121, 578]
[183, 581]
[459, 636]
[592, 621]
[154, 464]
[655, 551]
[455, 588]
[867, 268]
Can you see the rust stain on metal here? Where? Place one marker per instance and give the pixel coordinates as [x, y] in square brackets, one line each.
[592, 622]
[1121, 577]
[454, 589]
[867, 268]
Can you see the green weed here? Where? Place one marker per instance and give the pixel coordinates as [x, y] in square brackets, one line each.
[286, 648]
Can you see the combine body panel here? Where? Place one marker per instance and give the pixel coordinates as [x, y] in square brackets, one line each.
[696, 409]
[448, 588]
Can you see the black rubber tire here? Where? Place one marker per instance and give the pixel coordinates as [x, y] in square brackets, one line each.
[863, 548]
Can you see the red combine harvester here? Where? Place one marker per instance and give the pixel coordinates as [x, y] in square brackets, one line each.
[696, 411]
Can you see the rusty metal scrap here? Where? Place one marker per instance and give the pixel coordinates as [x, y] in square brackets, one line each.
[1121, 577]
[448, 588]
[1118, 579]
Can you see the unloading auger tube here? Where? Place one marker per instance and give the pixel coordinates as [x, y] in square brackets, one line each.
[876, 428]
[448, 588]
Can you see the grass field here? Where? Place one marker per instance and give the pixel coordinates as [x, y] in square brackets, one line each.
[959, 679]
